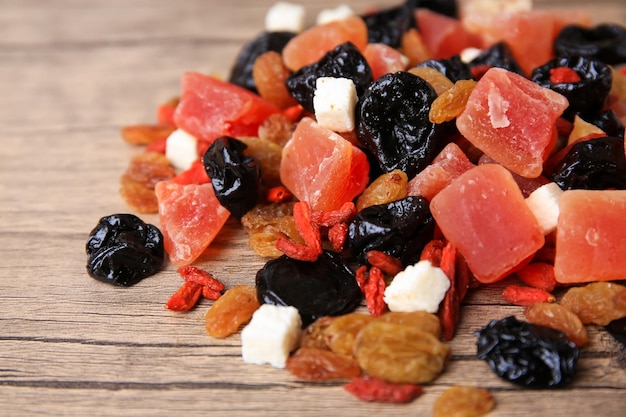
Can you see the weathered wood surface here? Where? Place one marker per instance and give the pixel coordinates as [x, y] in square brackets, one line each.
[71, 74]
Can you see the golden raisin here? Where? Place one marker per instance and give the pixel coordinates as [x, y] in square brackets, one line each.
[276, 128]
[560, 318]
[313, 335]
[451, 102]
[266, 223]
[319, 365]
[413, 47]
[145, 134]
[342, 332]
[435, 78]
[400, 353]
[599, 302]
[420, 320]
[464, 401]
[142, 174]
[386, 188]
[232, 310]
[269, 74]
[268, 154]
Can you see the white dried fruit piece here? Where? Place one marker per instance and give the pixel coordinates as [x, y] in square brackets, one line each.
[544, 204]
[271, 335]
[338, 13]
[420, 287]
[334, 102]
[181, 149]
[283, 16]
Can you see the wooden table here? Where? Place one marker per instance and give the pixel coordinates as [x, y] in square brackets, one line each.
[71, 74]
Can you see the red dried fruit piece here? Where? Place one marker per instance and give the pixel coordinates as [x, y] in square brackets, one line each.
[432, 251]
[210, 294]
[369, 388]
[319, 365]
[563, 75]
[344, 214]
[525, 296]
[165, 112]
[337, 236]
[310, 233]
[451, 305]
[374, 292]
[538, 275]
[186, 297]
[390, 265]
[197, 275]
[296, 250]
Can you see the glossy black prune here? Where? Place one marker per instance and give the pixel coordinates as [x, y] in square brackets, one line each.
[326, 287]
[122, 250]
[392, 123]
[241, 73]
[344, 61]
[400, 228]
[236, 177]
[453, 68]
[608, 121]
[605, 42]
[527, 354]
[498, 55]
[446, 7]
[594, 164]
[388, 25]
[586, 96]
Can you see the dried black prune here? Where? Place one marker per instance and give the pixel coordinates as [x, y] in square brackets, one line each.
[241, 73]
[453, 68]
[122, 250]
[594, 164]
[392, 122]
[388, 25]
[586, 96]
[344, 61]
[498, 55]
[527, 354]
[326, 287]
[236, 177]
[605, 42]
[400, 228]
[446, 7]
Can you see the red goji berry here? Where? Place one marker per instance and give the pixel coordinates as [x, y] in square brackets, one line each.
[451, 304]
[463, 276]
[432, 251]
[278, 194]
[186, 297]
[538, 275]
[374, 292]
[210, 294]
[369, 388]
[337, 236]
[296, 250]
[343, 214]
[390, 265]
[563, 75]
[525, 296]
[308, 229]
[197, 275]
[361, 276]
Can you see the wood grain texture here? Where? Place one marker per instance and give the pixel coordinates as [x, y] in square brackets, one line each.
[72, 73]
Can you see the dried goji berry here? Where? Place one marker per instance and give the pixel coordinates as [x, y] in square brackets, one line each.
[197, 275]
[563, 75]
[538, 275]
[310, 233]
[278, 194]
[432, 251]
[343, 214]
[374, 292]
[369, 388]
[296, 250]
[451, 304]
[525, 296]
[361, 276]
[186, 297]
[390, 265]
[337, 236]
[210, 294]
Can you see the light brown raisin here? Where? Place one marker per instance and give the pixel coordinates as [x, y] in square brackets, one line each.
[451, 102]
[313, 335]
[560, 318]
[341, 333]
[232, 310]
[384, 189]
[413, 47]
[268, 154]
[400, 353]
[145, 134]
[266, 223]
[464, 401]
[269, 74]
[598, 302]
[276, 128]
[142, 174]
[435, 78]
[420, 320]
[313, 364]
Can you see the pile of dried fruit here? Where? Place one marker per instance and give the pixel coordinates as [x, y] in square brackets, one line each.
[404, 156]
